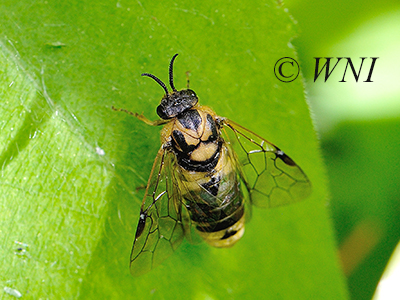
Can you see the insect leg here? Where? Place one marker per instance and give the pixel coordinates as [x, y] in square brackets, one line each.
[141, 117]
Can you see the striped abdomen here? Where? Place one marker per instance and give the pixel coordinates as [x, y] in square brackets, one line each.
[210, 182]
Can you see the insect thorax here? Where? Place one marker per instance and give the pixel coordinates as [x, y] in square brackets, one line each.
[196, 141]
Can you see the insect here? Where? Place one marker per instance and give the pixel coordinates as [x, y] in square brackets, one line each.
[205, 177]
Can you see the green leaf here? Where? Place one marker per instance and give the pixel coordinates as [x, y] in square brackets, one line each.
[71, 165]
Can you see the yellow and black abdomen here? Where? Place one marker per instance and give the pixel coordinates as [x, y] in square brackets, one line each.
[210, 181]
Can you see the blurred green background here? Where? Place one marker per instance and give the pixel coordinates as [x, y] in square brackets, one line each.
[359, 127]
[70, 165]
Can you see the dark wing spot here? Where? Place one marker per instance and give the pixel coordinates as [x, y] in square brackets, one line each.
[286, 159]
[141, 225]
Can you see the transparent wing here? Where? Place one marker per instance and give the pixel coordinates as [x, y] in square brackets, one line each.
[246, 191]
[272, 178]
[160, 230]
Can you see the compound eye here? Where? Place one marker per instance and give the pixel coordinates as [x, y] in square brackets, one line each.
[191, 93]
[191, 97]
[162, 113]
